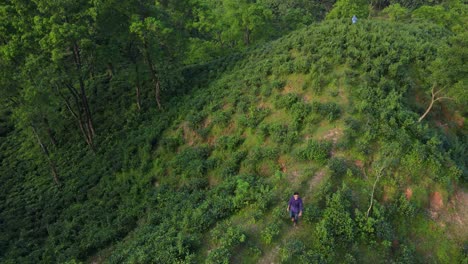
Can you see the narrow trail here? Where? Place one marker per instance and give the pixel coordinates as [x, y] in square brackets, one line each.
[272, 256]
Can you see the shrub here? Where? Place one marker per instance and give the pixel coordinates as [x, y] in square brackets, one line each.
[348, 8]
[298, 112]
[171, 143]
[269, 233]
[229, 142]
[292, 248]
[336, 226]
[222, 118]
[312, 213]
[191, 161]
[232, 165]
[286, 101]
[318, 151]
[278, 84]
[227, 237]
[330, 110]
[405, 207]
[338, 166]
[254, 117]
[195, 120]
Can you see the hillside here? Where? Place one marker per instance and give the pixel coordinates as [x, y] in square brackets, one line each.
[330, 111]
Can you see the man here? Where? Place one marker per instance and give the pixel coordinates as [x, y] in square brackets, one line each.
[295, 208]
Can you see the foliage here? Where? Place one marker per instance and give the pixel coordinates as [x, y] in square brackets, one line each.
[318, 151]
[336, 227]
[396, 12]
[349, 8]
[192, 181]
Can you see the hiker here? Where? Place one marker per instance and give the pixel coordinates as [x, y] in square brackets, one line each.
[354, 19]
[295, 208]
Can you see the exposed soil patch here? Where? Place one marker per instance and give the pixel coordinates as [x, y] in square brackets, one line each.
[459, 120]
[333, 135]
[307, 98]
[408, 193]
[230, 128]
[436, 204]
[359, 164]
[317, 179]
[264, 105]
[211, 140]
[271, 256]
[293, 176]
[288, 89]
[455, 216]
[227, 106]
[190, 136]
[207, 122]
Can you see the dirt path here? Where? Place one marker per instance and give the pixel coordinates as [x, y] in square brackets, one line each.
[271, 257]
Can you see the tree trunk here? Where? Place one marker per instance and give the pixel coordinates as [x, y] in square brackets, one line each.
[84, 98]
[77, 115]
[427, 110]
[50, 133]
[434, 98]
[379, 174]
[138, 87]
[247, 36]
[154, 75]
[110, 71]
[52, 166]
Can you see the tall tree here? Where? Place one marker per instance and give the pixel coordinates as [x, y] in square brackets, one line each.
[65, 34]
[450, 74]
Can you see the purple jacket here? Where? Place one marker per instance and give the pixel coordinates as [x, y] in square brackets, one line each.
[295, 205]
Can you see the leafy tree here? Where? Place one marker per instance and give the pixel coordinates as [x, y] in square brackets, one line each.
[233, 22]
[348, 8]
[413, 4]
[396, 12]
[336, 226]
[435, 14]
[449, 73]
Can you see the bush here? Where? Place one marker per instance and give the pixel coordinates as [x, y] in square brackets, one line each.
[227, 237]
[269, 233]
[318, 151]
[229, 142]
[338, 166]
[336, 226]
[348, 8]
[191, 161]
[253, 117]
[299, 112]
[222, 118]
[278, 84]
[294, 247]
[330, 110]
[171, 143]
[312, 213]
[286, 101]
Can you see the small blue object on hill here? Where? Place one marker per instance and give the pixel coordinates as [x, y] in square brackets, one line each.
[354, 19]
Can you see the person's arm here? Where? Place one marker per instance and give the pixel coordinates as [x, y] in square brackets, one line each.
[289, 205]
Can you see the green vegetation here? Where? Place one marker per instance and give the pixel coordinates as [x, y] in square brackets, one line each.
[176, 132]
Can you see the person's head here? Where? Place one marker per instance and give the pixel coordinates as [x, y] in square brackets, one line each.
[296, 195]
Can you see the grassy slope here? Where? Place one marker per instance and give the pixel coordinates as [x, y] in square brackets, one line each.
[211, 176]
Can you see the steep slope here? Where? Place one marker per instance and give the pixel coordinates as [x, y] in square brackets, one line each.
[326, 111]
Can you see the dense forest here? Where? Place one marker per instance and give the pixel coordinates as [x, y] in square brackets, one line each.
[173, 131]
